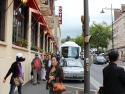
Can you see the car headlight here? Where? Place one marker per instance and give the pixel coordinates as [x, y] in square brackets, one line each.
[65, 72]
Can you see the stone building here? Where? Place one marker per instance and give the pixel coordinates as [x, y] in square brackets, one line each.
[25, 28]
[119, 30]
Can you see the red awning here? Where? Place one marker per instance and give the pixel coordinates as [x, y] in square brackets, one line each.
[32, 4]
[39, 18]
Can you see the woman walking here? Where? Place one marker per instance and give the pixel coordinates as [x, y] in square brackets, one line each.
[16, 70]
[52, 74]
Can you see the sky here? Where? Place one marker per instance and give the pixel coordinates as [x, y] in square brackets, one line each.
[73, 9]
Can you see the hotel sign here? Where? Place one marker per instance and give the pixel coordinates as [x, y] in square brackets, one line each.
[60, 14]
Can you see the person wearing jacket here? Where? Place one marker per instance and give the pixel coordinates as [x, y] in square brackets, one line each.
[48, 63]
[43, 72]
[36, 65]
[52, 74]
[16, 70]
[113, 75]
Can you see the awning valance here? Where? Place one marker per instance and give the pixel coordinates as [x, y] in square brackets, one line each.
[32, 4]
[39, 18]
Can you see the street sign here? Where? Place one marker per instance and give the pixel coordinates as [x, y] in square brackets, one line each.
[60, 15]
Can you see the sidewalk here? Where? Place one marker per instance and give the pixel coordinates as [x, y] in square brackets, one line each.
[28, 88]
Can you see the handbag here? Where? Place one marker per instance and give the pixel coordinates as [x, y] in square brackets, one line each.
[59, 86]
[18, 80]
[101, 90]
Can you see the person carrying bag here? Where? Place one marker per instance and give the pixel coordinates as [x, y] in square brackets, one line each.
[54, 78]
[17, 75]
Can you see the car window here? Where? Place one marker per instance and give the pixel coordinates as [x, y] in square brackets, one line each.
[100, 57]
[72, 63]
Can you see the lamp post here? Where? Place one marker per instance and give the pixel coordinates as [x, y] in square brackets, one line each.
[24, 1]
[112, 21]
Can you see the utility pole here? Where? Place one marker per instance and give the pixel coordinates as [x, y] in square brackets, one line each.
[86, 49]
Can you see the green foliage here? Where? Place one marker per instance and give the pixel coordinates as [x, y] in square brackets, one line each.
[23, 42]
[41, 50]
[63, 40]
[101, 34]
[34, 48]
[67, 38]
[80, 41]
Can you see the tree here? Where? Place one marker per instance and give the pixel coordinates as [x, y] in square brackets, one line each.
[63, 40]
[68, 38]
[101, 34]
[80, 41]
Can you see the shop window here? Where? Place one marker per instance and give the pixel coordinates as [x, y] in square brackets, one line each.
[34, 32]
[2, 19]
[41, 38]
[20, 19]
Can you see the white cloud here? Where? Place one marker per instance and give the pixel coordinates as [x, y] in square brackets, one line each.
[73, 9]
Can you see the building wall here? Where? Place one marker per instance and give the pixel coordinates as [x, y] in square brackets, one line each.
[119, 33]
[8, 52]
[57, 32]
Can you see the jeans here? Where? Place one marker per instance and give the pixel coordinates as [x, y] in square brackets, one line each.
[12, 88]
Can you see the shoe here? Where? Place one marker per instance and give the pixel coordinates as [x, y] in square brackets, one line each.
[38, 82]
[34, 83]
[44, 79]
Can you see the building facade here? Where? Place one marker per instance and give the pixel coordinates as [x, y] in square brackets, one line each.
[24, 28]
[119, 31]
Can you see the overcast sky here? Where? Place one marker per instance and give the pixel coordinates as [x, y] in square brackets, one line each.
[73, 9]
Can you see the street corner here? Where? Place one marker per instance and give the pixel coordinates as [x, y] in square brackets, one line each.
[82, 92]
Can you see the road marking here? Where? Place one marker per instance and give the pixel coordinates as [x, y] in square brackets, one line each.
[95, 83]
[74, 87]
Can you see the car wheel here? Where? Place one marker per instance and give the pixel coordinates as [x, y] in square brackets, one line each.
[82, 81]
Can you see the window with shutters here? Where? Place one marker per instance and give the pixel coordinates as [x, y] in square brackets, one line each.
[2, 19]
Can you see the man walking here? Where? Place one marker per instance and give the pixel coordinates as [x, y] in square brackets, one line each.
[36, 65]
[113, 75]
[48, 63]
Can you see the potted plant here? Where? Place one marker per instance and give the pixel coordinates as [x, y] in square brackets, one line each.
[34, 48]
[41, 50]
[19, 42]
[25, 43]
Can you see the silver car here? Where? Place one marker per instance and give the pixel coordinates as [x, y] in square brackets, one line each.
[73, 69]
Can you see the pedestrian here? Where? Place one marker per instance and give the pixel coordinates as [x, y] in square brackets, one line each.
[16, 70]
[36, 65]
[113, 75]
[58, 58]
[48, 63]
[52, 74]
[43, 72]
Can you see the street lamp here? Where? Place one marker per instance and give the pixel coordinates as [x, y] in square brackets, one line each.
[112, 21]
[24, 1]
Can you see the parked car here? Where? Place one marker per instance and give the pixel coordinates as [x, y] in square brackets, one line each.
[99, 60]
[82, 55]
[106, 57]
[73, 69]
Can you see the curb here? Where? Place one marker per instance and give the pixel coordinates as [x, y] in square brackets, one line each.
[90, 90]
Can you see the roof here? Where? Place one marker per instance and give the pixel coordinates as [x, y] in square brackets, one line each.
[69, 43]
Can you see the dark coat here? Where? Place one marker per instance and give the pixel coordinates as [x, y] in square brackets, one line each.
[14, 70]
[114, 79]
[59, 73]
[46, 65]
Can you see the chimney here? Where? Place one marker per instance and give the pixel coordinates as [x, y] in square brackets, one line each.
[116, 14]
[123, 7]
